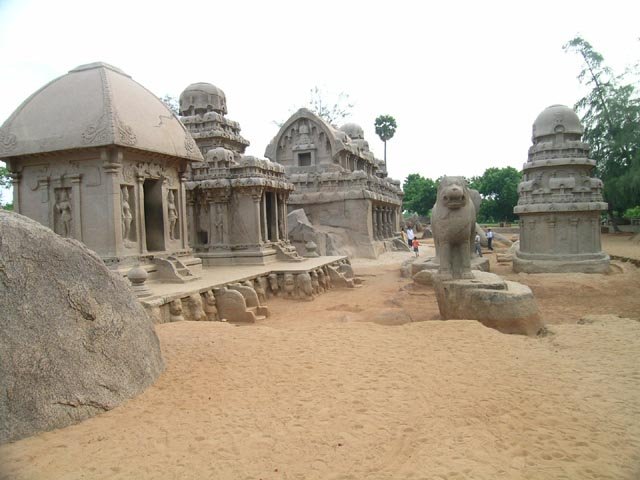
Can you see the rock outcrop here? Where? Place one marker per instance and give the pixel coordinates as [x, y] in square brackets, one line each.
[75, 341]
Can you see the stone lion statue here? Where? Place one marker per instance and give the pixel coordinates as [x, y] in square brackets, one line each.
[453, 221]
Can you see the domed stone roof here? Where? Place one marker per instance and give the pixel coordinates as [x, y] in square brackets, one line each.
[202, 97]
[95, 105]
[557, 119]
[353, 130]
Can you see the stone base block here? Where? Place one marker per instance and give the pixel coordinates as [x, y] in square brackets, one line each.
[433, 263]
[580, 263]
[508, 307]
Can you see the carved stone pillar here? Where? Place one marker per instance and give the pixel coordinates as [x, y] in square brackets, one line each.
[114, 243]
[141, 233]
[46, 211]
[76, 206]
[182, 194]
[213, 239]
[15, 182]
[257, 203]
[276, 227]
[165, 213]
[191, 220]
[374, 216]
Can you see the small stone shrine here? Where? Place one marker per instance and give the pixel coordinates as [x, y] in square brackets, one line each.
[236, 203]
[97, 157]
[559, 202]
[338, 181]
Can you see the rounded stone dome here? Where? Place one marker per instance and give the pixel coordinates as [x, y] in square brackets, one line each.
[556, 119]
[94, 105]
[202, 97]
[354, 130]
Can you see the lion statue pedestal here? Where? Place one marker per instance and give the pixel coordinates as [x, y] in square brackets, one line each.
[509, 307]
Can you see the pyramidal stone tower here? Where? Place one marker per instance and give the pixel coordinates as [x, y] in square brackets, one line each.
[559, 203]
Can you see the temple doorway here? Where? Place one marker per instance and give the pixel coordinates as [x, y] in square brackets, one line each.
[153, 215]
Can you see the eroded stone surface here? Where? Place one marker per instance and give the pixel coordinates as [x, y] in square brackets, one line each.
[75, 340]
[509, 307]
[453, 223]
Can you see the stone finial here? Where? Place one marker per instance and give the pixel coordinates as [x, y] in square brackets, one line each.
[138, 276]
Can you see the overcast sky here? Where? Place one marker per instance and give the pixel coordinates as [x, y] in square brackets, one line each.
[464, 80]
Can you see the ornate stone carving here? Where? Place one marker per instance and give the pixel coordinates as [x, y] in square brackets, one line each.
[175, 311]
[98, 132]
[127, 215]
[8, 141]
[210, 308]
[274, 286]
[172, 213]
[64, 214]
[453, 224]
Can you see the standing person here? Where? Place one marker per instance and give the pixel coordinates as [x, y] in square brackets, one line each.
[416, 246]
[476, 245]
[489, 239]
[410, 236]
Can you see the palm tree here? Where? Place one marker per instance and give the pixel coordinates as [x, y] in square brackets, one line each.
[385, 129]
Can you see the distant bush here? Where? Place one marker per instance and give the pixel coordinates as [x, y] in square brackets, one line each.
[633, 212]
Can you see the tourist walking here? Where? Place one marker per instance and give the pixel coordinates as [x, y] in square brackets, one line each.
[476, 245]
[489, 239]
[410, 236]
[416, 246]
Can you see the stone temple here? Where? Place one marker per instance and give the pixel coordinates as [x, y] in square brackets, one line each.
[338, 181]
[559, 202]
[236, 203]
[97, 157]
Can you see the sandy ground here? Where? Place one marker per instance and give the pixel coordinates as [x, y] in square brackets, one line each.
[357, 385]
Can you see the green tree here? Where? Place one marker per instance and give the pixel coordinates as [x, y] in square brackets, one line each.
[419, 194]
[499, 190]
[5, 182]
[385, 129]
[332, 108]
[172, 103]
[610, 114]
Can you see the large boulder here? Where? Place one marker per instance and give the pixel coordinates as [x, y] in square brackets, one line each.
[74, 341]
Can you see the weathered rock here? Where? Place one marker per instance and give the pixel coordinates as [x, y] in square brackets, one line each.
[75, 341]
[424, 277]
[509, 307]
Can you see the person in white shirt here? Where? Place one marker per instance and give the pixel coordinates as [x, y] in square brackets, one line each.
[489, 239]
[476, 245]
[410, 236]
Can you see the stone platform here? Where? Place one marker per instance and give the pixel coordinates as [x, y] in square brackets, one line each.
[238, 293]
[508, 307]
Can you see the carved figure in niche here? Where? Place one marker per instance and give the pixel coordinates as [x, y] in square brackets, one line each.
[273, 284]
[259, 288]
[453, 225]
[63, 207]
[321, 280]
[127, 216]
[315, 283]
[219, 224]
[210, 309]
[175, 310]
[303, 134]
[202, 222]
[195, 307]
[327, 278]
[173, 215]
[304, 286]
[289, 285]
